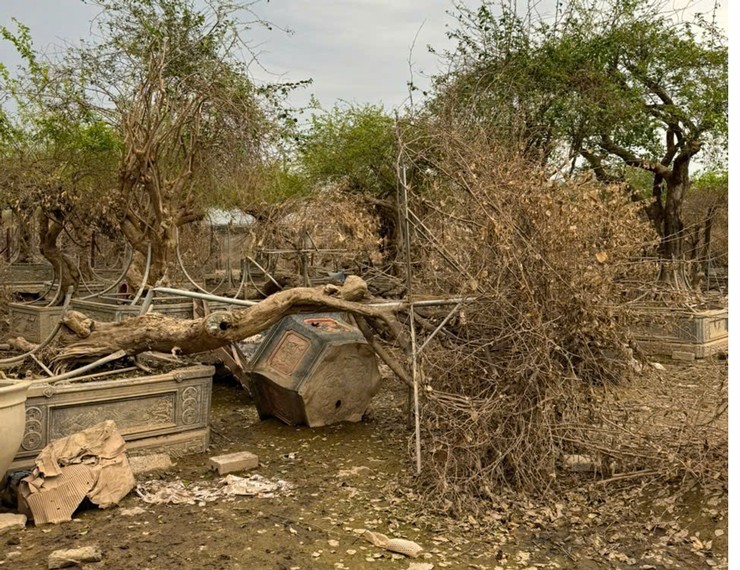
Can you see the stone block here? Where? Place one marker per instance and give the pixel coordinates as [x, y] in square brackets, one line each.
[240, 461]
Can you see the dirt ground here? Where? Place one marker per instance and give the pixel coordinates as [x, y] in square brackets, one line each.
[351, 477]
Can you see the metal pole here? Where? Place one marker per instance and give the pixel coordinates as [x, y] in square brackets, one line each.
[205, 297]
[414, 363]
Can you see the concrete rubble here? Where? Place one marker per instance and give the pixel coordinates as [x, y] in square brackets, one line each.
[158, 492]
[10, 521]
[74, 557]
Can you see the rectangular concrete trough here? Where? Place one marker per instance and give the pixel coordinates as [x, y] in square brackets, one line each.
[167, 413]
[32, 322]
[670, 332]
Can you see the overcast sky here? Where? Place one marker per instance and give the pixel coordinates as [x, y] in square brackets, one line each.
[354, 50]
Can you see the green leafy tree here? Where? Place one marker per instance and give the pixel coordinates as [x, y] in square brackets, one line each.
[608, 84]
[195, 129]
[355, 147]
[57, 159]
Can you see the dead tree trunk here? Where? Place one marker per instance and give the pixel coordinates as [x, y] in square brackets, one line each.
[86, 339]
[65, 269]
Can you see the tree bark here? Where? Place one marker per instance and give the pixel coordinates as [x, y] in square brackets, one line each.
[65, 269]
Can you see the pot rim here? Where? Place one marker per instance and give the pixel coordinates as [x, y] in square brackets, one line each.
[13, 392]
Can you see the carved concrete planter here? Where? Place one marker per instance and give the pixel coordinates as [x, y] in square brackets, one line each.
[680, 333]
[32, 322]
[162, 413]
[12, 406]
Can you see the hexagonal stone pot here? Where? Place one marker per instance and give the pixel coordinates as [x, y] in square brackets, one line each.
[314, 369]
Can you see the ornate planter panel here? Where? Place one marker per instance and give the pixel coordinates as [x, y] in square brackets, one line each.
[166, 412]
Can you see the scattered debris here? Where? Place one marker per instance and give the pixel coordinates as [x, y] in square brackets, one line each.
[254, 486]
[176, 492]
[358, 470]
[10, 521]
[74, 557]
[144, 464]
[91, 463]
[400, 545]
[239, 461]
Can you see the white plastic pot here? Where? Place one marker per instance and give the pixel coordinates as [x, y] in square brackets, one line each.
[12, 419]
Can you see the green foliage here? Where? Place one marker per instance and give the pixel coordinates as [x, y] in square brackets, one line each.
[712, 180]
[604, 80]
[354, 145]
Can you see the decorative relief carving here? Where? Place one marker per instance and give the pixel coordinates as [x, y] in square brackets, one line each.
[130, 415]
[190, 399]
[289, 353]
[33, 436]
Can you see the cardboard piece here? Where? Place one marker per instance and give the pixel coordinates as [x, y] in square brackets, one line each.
[91, 463]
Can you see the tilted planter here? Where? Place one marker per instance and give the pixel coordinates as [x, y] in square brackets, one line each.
[166, 413]
[314, 369]
[32, 322]
[668, 331]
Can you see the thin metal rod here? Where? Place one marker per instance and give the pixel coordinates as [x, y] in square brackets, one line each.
[243, 281]
[43, 366]
[144, 279]
[101, 374]
[439, 327]
[185, 271]
[205, 297]
[48, 339]
[117, 281]
[263, 270]
[147, 302]
[59, 289]
[414, 362]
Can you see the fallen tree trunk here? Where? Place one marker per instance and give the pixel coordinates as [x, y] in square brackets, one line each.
[84, 339]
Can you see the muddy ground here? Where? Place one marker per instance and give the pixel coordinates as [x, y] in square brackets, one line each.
[351, 477]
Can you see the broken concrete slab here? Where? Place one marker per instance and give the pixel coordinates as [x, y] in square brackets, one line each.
[10, 521]
[240, 461]
[74, 557]
[144, 464]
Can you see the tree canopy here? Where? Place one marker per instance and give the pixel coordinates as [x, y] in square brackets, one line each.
[604, 85]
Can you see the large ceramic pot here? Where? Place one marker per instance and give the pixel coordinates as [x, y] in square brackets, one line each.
[12, 419]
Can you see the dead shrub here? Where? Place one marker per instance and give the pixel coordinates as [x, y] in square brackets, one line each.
[524, 373]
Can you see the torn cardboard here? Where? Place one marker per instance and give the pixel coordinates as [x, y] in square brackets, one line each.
[91, 463]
